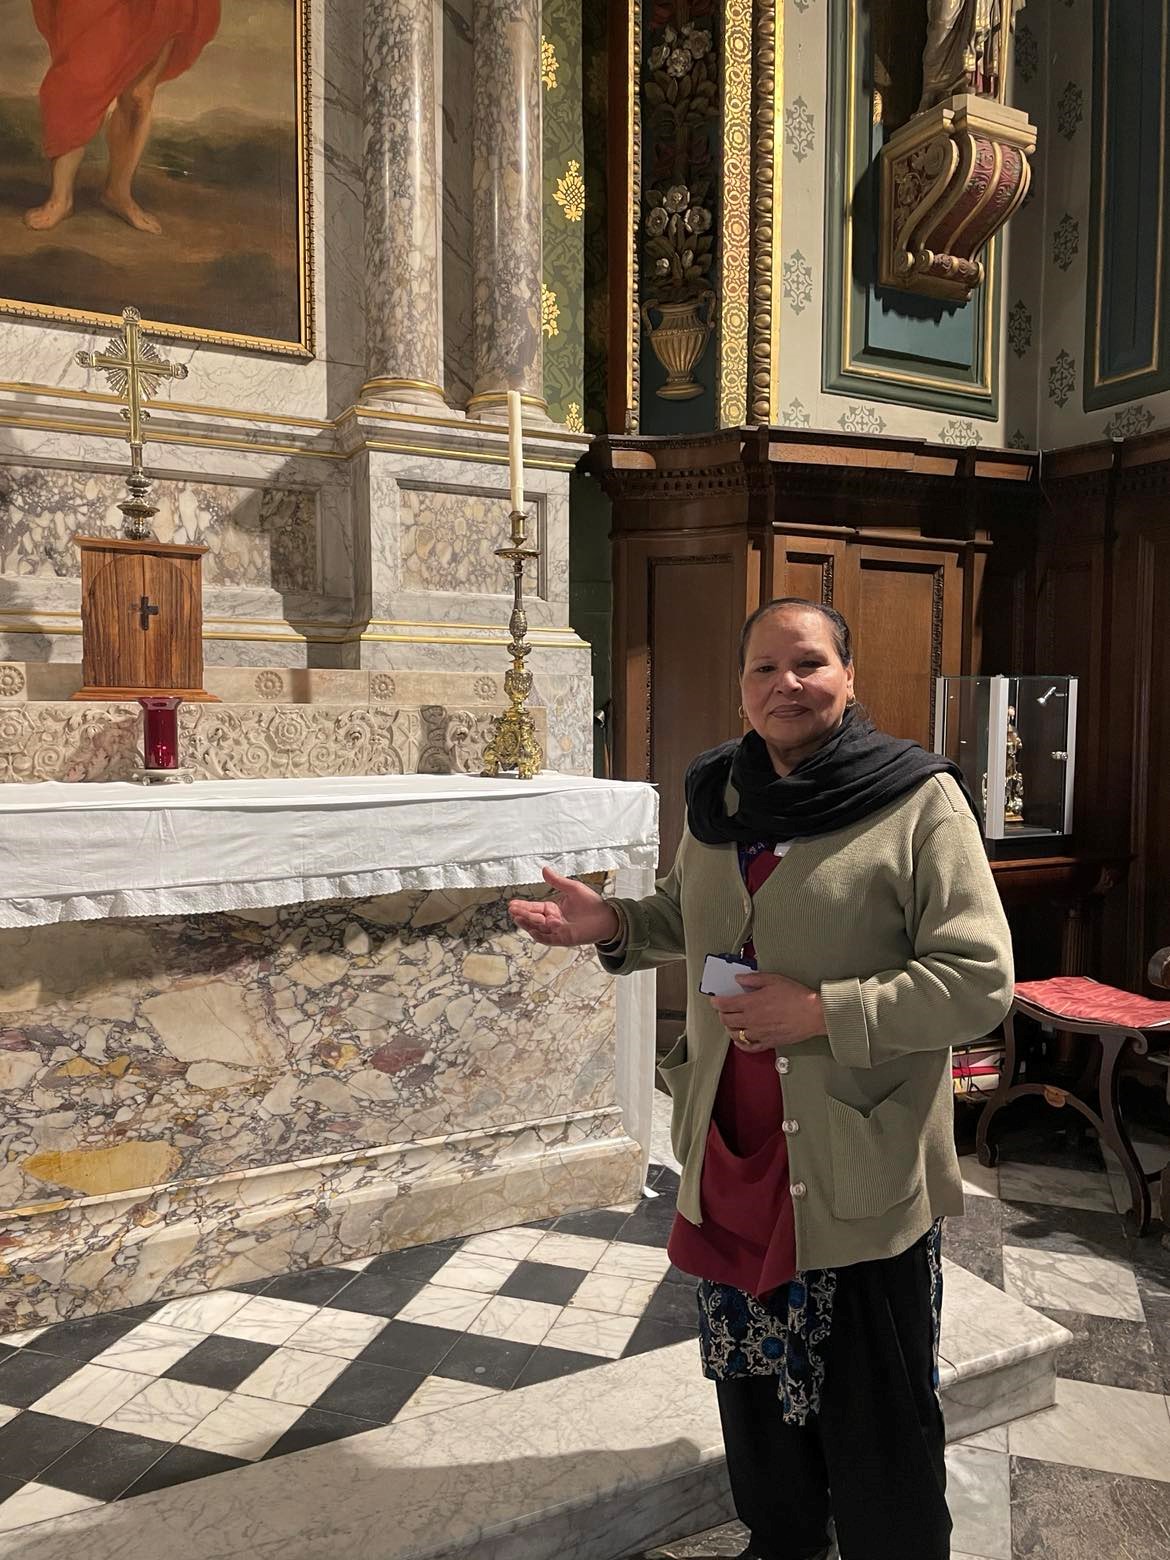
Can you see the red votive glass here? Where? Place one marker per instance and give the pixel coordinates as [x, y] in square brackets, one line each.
[160, 732]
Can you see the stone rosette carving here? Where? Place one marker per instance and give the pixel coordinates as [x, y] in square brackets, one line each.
[950, 180]
[269, 684]
[381, 686]
[12, 680]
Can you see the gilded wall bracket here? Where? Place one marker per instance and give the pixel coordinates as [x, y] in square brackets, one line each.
[950, 180]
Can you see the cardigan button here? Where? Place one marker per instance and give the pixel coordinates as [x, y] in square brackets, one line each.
[799, 1189]
[782, 1066]
[790, 1126]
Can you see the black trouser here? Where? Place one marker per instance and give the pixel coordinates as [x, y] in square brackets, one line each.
[872, 1458]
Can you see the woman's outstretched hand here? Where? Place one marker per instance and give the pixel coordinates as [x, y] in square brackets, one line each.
[574, 915]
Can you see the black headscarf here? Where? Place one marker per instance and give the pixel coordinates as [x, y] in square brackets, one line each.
[858, 771]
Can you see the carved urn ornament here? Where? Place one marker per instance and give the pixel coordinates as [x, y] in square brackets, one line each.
[957, 171]
[681, 93]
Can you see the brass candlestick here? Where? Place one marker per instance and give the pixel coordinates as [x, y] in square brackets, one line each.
[134, 370]
[512, 745]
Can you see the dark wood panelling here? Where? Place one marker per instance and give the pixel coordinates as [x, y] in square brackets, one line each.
[898, 624]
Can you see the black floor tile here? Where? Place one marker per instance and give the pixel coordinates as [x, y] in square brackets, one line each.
[1075, 1231]
[378, 1294]
[410, 1346]
[27, 1376]
[105, 1464]
[538, 1224]
[6, 1352]
[489, 1362]
[664, 1181]
[315, 1286]
[315, 1427]
[88, 1335]
[31, 1441]
[414, 1262]
[143, 1312]
[220, 1362]
[1033, 1134]
[1109, 1352]
[373, 1392]
[645, 1229]
[253, 1286]
[650, 1334]
[9, 1487]
[181, 1465]
[1065, 1513]
[975, 1240]
[1157, 1309]
[602, 1223]
[549, 1364]
[1151, 1265]
[543, 1281]
[674, 1304]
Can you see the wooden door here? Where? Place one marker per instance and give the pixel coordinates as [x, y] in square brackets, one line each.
[171, 644]
[114, 647]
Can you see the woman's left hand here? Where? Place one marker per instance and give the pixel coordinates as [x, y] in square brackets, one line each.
[771, 1012]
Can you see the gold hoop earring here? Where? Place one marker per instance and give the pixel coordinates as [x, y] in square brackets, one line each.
[850, 701]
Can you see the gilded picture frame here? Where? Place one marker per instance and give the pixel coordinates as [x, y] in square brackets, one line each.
[190, 195]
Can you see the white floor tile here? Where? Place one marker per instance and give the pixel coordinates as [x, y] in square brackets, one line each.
[293, 1375]
[572, 1251]
[166, 1410]
[475, 1271]
[1057, 1281]
[18, 1340]
[344, 1333]
[39, 1502]
[92, 1394]
[358, 1265]
[614, 1295]
[979, 1495]
[993, 1440]
[437, 1393]
[516, 1243]
[978, 1180]
[438, 1307]
[244, 1427]
[201, 1313]
[150, 1348]
[630, 1261]
[1107, 1428]
[519, 1321]
[267, 1321]
[1059, 1188]
[589, 1332]
[7, 1413]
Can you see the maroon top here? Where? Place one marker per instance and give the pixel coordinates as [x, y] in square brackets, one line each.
[748, 1236]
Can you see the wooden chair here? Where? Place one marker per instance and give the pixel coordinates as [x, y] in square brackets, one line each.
[1123, 1024]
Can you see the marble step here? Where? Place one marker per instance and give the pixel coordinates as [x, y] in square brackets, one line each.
[594, 1466]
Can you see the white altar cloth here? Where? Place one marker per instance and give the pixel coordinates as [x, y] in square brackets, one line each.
[75, 852]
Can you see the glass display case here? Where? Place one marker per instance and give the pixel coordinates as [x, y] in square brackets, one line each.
[1014, 738]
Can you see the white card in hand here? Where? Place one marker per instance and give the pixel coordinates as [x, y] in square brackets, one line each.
[719, 975]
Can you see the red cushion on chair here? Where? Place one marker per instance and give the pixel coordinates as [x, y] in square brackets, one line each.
[1085, 1001]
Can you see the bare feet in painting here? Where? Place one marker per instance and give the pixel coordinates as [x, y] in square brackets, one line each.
[126, 207]
[42, 218]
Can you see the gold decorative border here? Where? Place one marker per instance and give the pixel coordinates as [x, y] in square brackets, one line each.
[634, 207]
[767, 165]
[303, 349]
[735, 226]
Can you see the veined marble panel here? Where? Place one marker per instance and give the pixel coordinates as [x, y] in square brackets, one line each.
[447, 541]
[165, 1050]
[60, 740]
[255, 535]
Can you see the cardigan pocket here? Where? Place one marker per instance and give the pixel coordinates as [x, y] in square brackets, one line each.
[877, 1157]
[677, 1070]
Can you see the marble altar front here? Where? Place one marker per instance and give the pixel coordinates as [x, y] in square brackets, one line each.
[298, 1077]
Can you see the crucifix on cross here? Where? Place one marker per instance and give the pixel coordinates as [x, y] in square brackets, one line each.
[134, 370]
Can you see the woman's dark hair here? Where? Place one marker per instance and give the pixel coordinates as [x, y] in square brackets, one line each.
[842, 633]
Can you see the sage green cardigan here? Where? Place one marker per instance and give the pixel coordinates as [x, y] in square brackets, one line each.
[897, 921]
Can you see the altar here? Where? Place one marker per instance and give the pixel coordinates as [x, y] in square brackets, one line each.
[248, 1026]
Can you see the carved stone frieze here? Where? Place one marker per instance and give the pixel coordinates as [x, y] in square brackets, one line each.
[950, 180]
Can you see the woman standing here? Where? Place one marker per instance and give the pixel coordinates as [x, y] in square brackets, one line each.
[812, 1108]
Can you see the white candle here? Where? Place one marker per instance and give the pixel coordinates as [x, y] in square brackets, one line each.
[515, 449]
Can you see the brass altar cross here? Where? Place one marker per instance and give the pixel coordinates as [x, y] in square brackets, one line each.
[134, 370]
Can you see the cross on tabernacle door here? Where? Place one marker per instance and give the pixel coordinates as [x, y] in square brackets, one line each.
[146, 610]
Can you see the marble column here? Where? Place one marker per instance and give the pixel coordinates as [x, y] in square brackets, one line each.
[404, 359]
[506, 206]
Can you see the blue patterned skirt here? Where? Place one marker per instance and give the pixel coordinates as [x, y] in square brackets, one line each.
[783, 1334]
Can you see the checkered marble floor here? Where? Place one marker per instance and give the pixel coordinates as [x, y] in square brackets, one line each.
[112, 1406]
